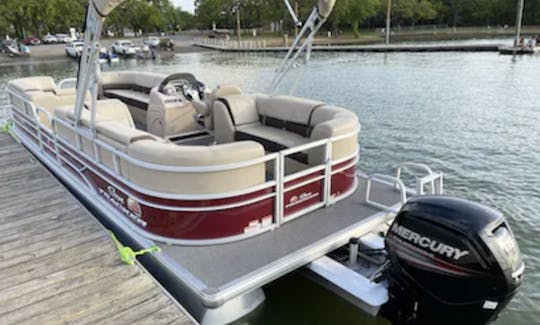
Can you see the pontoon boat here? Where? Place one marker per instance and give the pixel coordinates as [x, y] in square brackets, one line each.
[240, 189]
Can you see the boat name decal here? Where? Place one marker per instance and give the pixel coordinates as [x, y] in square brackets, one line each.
[429, 243]
[297, 199]
[116, 196]
[118, 201]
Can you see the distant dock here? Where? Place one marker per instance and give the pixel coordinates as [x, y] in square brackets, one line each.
[260, 46]
[57, 264]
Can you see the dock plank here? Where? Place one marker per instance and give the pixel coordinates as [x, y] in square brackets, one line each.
[57, 264]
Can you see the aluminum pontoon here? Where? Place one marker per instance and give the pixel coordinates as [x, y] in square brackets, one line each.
[237, 189]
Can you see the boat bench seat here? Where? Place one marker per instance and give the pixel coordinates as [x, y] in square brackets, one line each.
[43, 93]
[38, 83]
[130, 97]
[115, 127]
[133, 88]
[200, 182]
[281, 122]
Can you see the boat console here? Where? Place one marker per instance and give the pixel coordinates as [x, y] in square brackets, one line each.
[157, 103]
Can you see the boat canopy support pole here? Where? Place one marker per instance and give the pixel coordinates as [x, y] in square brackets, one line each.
[304, 40]
[519, 18]
[89, 70]
[297, 21]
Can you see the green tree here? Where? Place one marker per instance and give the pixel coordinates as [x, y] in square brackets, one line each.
[354, 12]
[413, 11]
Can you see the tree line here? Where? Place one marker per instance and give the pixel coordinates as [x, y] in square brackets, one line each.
[39, 17]
[353, 14]
[23, 18]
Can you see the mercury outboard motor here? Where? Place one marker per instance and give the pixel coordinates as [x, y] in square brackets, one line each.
[451, 262]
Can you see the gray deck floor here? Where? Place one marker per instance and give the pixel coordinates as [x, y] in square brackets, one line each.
[57, 264]
[219, 265]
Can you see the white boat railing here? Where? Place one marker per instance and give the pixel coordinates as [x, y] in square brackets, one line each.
[385, 179]
[434, 179]
[68, 81]
[46, 136]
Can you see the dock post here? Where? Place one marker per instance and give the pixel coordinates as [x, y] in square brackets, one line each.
[388, 12]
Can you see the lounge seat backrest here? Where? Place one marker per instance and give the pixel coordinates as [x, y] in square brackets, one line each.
[110, 110]
[196, 156]
[107, 110]
[330, 121]
[43, 93]
[233, 111]
[281, 112]
[48, 101]
[287, 112]
[33, 88]
[119, 136]
[290, 120]
[139, 81]
[39, 83]
[205, 107]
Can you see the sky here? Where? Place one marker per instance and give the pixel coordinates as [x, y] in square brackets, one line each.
[186, 5]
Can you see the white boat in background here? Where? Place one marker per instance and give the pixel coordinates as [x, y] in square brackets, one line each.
[519, 50]
[12, 49]
[107, 56]
[74, 49]
[241, 189]
[147, 53]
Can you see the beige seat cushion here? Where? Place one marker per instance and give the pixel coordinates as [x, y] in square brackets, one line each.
[283, 137]
[129, 94]
[327, 112]
[287, 108]
[107, 110]
[206, 106]
[122, 134]
[130, 80]
[225, 90]
[199, 182]
[119, 136]
[40, 83]
[48, 101]
[66, 92]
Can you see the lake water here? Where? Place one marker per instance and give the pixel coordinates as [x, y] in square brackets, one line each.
[474, 116]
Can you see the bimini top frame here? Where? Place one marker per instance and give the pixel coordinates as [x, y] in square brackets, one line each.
[98, 10]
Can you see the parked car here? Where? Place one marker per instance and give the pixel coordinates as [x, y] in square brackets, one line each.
[151, 41]
[74, 49]
[49, 39]
[63, 38]
[219, 33]
[32, 40]
[125, 47]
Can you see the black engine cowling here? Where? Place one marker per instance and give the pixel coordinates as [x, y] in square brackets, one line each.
[451, 262]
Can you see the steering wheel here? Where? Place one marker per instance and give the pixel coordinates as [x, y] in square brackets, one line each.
[184, 83]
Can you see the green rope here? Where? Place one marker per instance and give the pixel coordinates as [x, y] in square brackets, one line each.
[8, 128]
[127, 255]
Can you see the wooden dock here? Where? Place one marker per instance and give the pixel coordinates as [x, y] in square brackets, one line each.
[58, 265]
[229, 47]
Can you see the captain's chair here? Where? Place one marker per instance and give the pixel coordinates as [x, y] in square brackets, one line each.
[205, 107]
